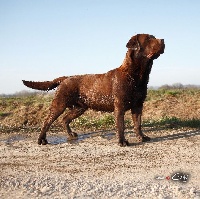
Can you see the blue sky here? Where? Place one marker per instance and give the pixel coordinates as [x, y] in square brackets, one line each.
[44, 39]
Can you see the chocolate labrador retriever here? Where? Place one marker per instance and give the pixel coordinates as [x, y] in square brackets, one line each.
[118, 90]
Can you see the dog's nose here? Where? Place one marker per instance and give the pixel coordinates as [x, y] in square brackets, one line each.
[161, 41]
[162, 45]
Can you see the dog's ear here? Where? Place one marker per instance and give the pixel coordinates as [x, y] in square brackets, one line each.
[133, 43]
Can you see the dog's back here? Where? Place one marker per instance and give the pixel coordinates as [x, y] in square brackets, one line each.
[93, 91]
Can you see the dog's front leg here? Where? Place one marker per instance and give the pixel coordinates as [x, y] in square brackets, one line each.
[136, 116]
[119, 122]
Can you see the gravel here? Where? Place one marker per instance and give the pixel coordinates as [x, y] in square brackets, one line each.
[96, 167]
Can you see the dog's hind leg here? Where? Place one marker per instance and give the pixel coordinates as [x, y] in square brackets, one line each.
[58, 106]
[67, 119]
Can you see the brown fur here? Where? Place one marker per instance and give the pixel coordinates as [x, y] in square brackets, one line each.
[118, 90]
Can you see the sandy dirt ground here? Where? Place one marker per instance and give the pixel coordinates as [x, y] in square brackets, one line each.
[96, 167]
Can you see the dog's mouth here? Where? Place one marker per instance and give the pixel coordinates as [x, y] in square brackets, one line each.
[155, 55]
[150, 55]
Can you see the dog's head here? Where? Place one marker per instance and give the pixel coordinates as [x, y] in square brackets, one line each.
[146, 45]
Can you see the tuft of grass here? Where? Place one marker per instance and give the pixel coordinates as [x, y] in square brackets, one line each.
[105, 121]
[85, 122]
[3, 114]
[173, 93]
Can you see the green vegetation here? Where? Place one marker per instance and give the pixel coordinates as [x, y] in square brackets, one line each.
[107, 122]
[2, 114]
[160, 93]
[172, 122]
[104, 121]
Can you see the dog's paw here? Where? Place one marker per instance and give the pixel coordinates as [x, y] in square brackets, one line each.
[123, 143]
[42, 141]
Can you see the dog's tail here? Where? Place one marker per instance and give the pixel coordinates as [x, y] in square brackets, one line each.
[46, 85]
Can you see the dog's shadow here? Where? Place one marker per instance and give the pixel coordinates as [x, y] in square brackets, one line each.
[109, 135]
[170, 137]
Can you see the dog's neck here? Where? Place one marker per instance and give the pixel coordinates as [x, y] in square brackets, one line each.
[136, 67]
[127, 60]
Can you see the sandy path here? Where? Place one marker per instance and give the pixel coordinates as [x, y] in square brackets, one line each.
[98, 168]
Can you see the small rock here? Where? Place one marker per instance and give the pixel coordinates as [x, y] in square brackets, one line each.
[44, 189]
